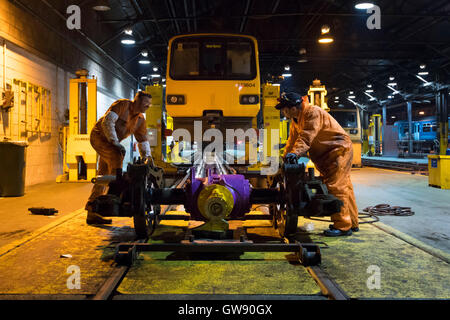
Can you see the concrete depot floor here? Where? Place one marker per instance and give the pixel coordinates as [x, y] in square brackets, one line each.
[431, 221]
[412, 273]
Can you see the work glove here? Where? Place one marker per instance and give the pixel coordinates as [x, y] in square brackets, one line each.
[120, 148]
[149, 161]
[291, 158]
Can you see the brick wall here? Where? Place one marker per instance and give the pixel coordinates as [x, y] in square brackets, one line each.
[36, 54]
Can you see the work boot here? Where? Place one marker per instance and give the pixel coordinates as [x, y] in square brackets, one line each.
[332, 232]
[356, 229]
[95, 218]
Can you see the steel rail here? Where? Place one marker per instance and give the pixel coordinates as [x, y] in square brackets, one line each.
[106, 291]
[327, 285]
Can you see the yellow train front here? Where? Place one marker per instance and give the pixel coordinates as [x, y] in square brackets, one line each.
[213, 78]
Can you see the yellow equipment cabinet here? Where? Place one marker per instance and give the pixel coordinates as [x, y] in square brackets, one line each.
[375, 137]
[81, 157]
[153, 118]
[439, 171]
[271, 119]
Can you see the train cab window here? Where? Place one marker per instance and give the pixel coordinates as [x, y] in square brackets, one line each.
[211, 59]
[219, 58]
[239, 56]
[185, 59]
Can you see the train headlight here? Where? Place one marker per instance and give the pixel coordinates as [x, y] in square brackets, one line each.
[249, 99]
[176, 99]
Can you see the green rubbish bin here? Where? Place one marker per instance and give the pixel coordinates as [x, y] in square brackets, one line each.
[12, 168]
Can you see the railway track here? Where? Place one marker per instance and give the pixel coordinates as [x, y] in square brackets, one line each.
[397, 165]
[328, 287]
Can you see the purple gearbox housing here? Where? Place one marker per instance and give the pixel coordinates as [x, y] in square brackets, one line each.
[236, 184]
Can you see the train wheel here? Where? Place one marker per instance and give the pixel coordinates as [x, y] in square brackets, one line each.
[143, 220]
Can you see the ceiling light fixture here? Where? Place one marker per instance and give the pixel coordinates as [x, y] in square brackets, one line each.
[287, 68]
[423, 73]
[144, 53]
[128, 40]
[144, 61]
[392, 84]
[101, 5]
[364, 5]
[371, 97]
[369, 86]
[391, 78]
[286, 75]
[128, 31]
[155, 69]
[326, 36]
[423, 66]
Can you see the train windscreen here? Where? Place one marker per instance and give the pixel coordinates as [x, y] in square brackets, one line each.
[347, 119]
[218, 58]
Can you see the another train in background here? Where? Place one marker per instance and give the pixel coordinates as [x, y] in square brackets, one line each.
[424, 136]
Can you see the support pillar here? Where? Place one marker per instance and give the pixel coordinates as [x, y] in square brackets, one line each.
[410, 128]
[442, 119]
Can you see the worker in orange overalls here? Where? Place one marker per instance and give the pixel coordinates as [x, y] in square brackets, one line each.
[123, 118]
[314, 130]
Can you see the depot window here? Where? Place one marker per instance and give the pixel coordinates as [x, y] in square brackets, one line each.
[345, 119]
[218, 58]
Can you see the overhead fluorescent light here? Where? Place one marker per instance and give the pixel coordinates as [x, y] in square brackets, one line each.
[302, 60]
[371, 97]
[276, 84]
[128, 31]
[360, 5]
[155, 75]
[423, 73]
[395, 91]
[286, 75]
[369, 91]
[351, 97]
[144, 61]
[144, 53]
[128, 40]
[421, 112]
[369, 86]
[325, 39]
[155, 69]
[422, 66]
[392, 84]
[391, 78]
[287, 68]
[351, 92]
[101, 5]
